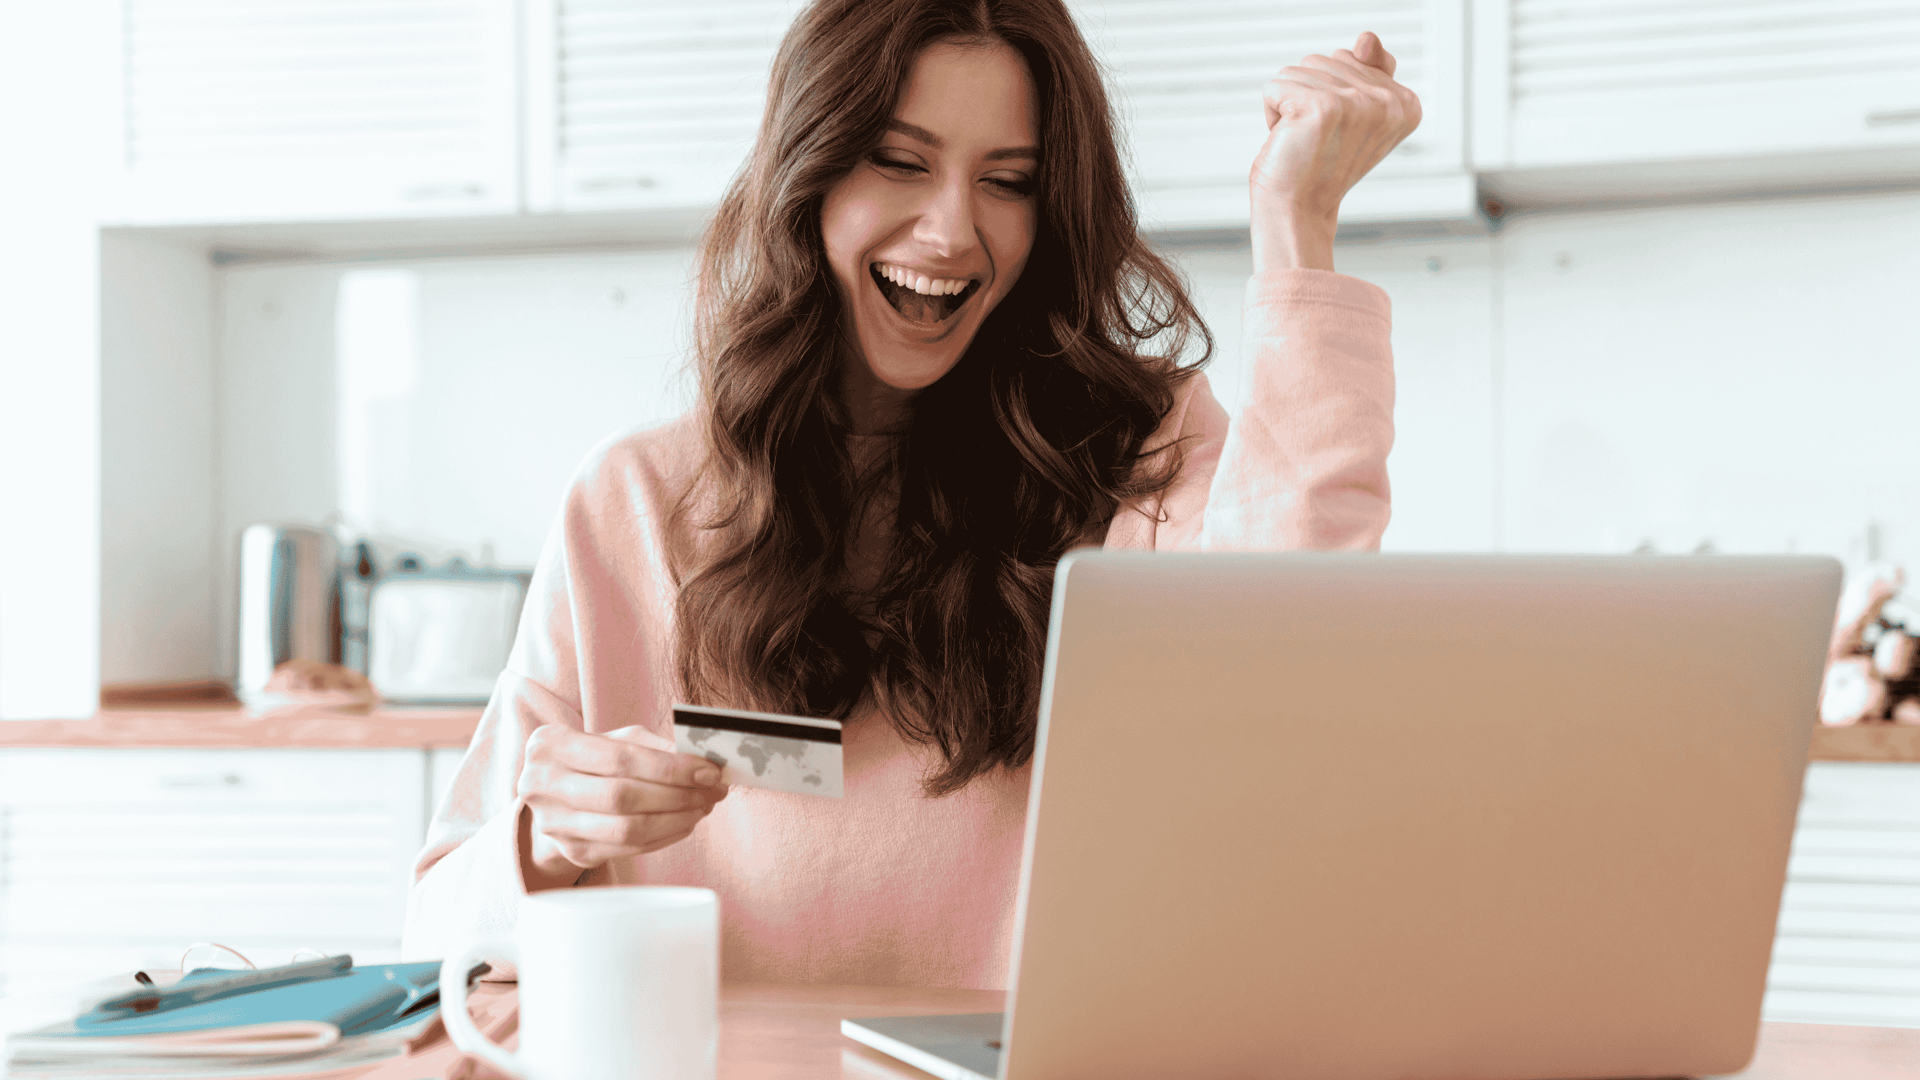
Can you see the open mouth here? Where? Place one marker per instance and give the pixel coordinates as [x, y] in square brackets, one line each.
[916, 306]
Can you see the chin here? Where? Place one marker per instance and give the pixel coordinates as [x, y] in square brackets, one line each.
[912, 376]
[911, 340]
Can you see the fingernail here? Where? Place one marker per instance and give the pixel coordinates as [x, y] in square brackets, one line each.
[706, 775]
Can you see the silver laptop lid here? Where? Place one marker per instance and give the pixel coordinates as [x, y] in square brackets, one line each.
[1339, 816]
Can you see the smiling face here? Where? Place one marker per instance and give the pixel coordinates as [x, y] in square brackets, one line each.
[930, 231]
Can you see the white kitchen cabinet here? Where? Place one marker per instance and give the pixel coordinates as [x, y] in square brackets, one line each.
[637, 105]
[1795, 90]
[1188, 77]
[644, 104]
[1848, 948]
[290, 111]
[407, 109]
[113, 859]
[297, 110]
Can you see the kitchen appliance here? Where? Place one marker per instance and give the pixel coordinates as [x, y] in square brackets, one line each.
[421, 634]
[436, 636]
[289, 602]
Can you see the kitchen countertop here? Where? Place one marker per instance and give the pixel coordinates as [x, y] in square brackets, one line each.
[229, 726]
[1867, 742]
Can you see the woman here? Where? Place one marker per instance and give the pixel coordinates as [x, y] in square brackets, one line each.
[935, 355]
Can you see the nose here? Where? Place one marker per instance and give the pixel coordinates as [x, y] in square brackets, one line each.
[946, 221]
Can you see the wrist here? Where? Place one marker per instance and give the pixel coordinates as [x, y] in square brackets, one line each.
[543, 865]
[1289, 236]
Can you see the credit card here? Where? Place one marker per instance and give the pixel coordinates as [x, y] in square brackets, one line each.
[763, 750]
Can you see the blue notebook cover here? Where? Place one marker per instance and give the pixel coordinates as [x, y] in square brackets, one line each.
[357, 1001]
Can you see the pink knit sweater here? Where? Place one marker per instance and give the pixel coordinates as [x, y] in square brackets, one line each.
[883, 886]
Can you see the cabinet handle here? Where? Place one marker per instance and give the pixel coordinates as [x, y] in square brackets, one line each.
[426, 192]
[616, 183]
[1893, 117]
[231, 780]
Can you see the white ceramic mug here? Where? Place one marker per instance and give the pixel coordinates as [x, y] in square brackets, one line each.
[615, 984]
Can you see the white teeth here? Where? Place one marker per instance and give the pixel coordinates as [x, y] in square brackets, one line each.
[921, 283]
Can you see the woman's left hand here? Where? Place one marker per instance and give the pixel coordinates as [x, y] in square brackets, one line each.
[1330, 120]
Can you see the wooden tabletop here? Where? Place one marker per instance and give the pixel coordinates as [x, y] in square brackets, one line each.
[793, 1033]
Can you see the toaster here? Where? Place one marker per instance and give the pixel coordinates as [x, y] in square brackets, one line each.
[435, 636]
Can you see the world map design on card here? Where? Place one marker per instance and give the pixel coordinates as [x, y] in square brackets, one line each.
[765, 750]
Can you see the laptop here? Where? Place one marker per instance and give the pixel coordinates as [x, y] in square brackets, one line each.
[1320, 816]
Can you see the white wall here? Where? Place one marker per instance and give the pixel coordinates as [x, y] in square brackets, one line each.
[57, 103]
[1743, 373]
[1738, 373]
[523, 365]
[157, 474]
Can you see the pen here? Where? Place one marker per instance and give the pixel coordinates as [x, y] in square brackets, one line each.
[212, 988]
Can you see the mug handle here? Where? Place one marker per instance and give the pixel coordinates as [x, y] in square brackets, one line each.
[453, 1003]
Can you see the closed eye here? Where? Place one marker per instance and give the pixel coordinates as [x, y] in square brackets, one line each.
[1020, 188]
[884, 162]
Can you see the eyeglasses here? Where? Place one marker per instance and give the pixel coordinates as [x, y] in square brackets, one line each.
[212, 950]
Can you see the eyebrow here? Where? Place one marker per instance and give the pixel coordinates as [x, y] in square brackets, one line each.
[920, 134]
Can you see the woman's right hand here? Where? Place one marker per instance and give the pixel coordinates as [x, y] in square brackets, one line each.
[600, 797]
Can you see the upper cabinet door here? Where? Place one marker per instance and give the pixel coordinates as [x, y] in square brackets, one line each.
[644, 104]
[1583, 82]
[1188, 74]
[290, 110]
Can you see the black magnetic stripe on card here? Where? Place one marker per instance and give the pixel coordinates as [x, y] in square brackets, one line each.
[746, 726]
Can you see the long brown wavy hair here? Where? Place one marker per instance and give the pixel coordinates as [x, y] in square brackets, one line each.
[1028, 445]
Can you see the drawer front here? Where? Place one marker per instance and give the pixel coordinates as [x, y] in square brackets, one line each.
[1848, 947]
[94, 777]
[148, 851]
[1872, 792]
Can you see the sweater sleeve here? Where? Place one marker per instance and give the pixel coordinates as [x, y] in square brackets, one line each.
[574, 662]
[1304, 466]
[466, 880]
